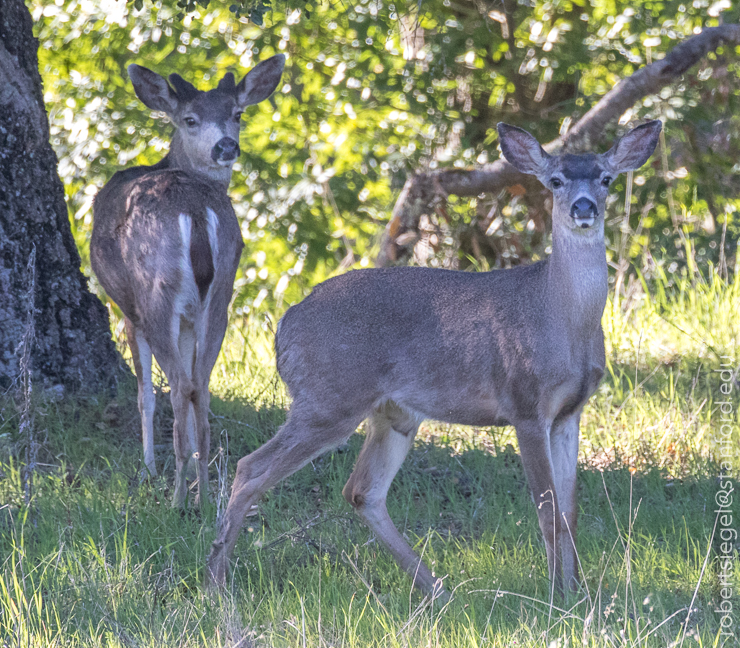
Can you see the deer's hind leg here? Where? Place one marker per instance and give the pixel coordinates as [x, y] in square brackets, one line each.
[210, 337]
[164, 343]
[142, 356]
[390, 435]
[186, 345]
[302, 438]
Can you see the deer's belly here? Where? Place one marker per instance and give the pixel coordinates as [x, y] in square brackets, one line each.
[463, 406]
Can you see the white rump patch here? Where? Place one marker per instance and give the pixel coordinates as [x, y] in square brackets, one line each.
[187, 299]
[213, 234]
[186, 228]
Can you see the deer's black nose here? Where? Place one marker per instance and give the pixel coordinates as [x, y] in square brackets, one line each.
[225, 150]
[583, 209]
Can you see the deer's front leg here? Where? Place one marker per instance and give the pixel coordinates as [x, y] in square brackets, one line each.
[534, 444]
[564, 451]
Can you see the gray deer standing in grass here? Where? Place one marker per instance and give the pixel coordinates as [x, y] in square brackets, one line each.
[166, 245]
[521, 347]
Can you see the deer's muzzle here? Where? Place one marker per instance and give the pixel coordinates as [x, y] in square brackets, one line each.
[583, 212]
[226, 150]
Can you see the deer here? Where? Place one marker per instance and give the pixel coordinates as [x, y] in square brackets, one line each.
[396, 346]
[165, 247]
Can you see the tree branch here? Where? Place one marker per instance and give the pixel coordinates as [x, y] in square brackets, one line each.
[425, 191]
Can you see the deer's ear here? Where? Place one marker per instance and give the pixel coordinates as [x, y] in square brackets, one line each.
[635, 148]
[152, 89]
[260, 81]
[521, 149]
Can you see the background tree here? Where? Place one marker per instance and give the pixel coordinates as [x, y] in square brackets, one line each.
[423, 193]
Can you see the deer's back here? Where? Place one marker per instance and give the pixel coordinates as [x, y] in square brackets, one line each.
[137, 248]
[429, 339]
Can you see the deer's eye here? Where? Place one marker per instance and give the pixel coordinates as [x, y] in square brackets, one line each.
[556, 183]
[606, 180]
[237, 116]
[190, 121]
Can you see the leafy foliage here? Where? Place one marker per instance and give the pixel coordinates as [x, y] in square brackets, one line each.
[374, 91]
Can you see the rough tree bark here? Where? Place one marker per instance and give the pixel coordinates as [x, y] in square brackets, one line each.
[424, 193]
[72, 344]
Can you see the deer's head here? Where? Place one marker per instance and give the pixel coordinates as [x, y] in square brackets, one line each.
[207, 137]
[579, 183]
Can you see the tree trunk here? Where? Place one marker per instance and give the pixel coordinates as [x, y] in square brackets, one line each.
[72, 345]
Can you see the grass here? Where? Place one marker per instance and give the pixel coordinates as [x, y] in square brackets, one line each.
[99, 558]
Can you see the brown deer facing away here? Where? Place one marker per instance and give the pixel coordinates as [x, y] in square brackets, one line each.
[399, 345]
[166, 245]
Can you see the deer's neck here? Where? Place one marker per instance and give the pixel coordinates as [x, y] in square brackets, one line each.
[578, 280]
[178, 158]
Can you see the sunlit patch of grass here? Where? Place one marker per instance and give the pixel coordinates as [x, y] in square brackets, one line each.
[657, 406]
[99, 558]
[692, 316]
